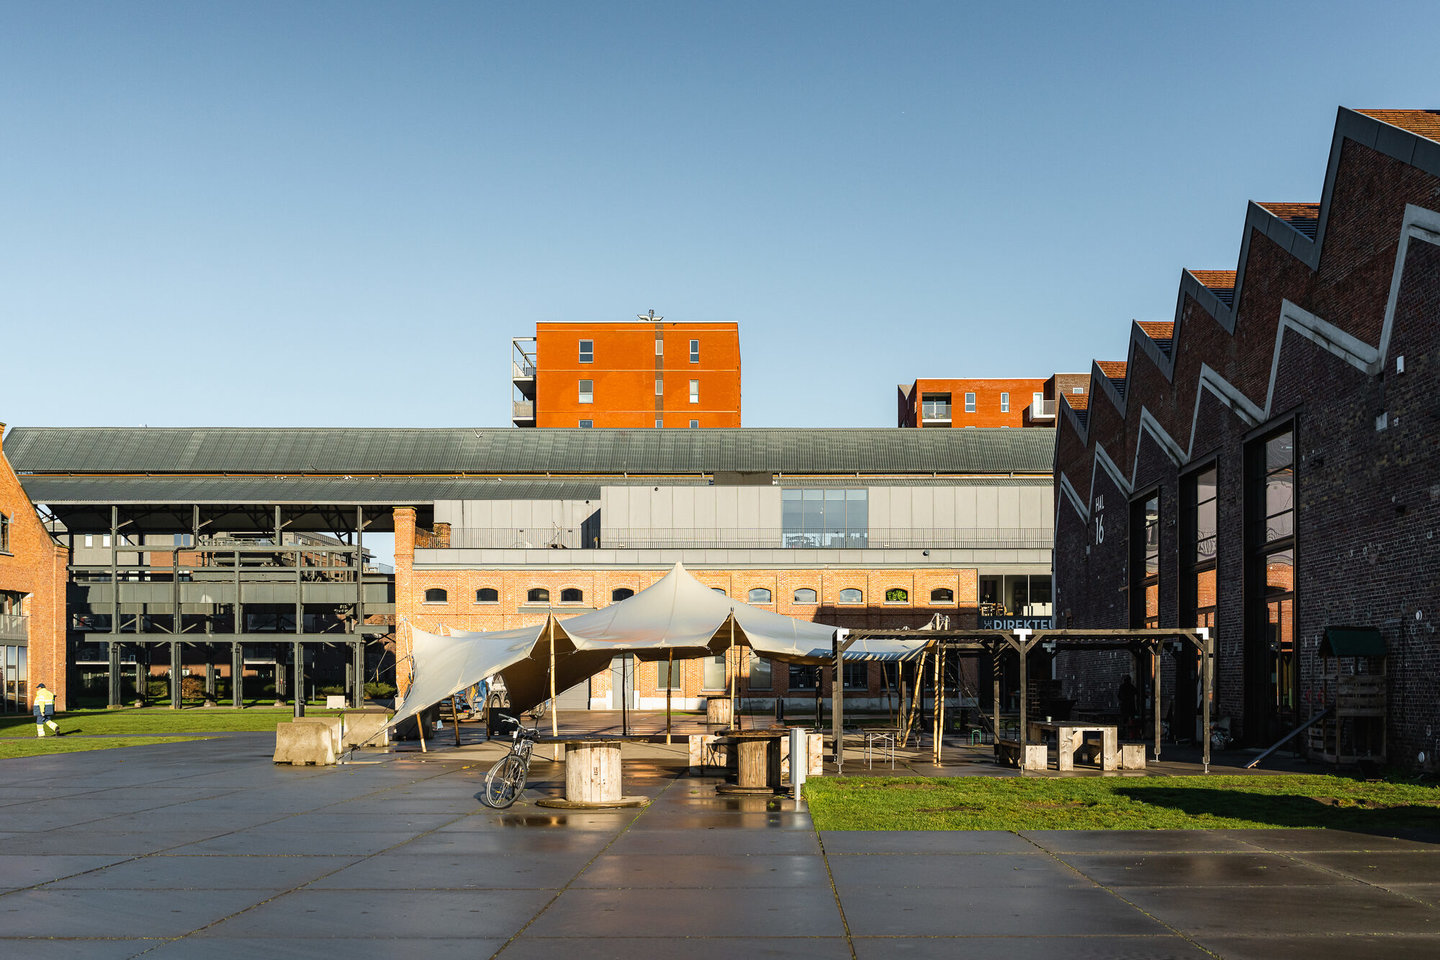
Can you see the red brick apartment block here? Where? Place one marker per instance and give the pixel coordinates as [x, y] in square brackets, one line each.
[1017, 402]
[32, 598]
[636, 374]
[1265, 464]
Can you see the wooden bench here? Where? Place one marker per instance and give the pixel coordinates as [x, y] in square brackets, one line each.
[1007, 753]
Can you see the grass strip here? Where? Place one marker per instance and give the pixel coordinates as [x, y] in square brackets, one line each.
[1121, 803]
[11, 748]
[160, 721]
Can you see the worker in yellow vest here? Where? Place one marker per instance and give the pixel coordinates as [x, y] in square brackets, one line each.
[44, 711]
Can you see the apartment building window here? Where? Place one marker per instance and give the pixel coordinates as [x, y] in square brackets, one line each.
[694, 424]
[694, 391]
[694, 351]
[659, 423]
[659, 387]
[969, 403]
[587, 424]
[572, 595]
[1037, 404]
[659, 348]
[4, 533]
[806, 595]
[487, 595]
[758, 595]
[436, 595]
[621, 593]
[828, 517]
[537, 595]
[935, 406]
[942, 595]
[1004, 403]
[587, 391]
[1145, 562]
[587, 351]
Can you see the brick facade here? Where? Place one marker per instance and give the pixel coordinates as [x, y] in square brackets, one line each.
[32, 568]
[1327, 329]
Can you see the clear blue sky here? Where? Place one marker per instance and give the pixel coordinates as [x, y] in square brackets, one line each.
[339, 213]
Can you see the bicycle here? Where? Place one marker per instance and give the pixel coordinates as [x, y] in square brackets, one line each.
[539, 710]
[506, 779]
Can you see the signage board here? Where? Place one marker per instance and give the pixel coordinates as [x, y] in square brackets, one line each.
[1017, 623]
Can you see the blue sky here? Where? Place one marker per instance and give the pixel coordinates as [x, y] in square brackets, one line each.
[340, 213]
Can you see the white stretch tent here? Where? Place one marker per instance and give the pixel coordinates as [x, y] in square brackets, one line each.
[676, 614]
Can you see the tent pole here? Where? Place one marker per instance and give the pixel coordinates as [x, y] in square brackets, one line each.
[1155, 690]
[669, 684]
[734, 668]
[940, 739]
[935, 712]
[554, 709]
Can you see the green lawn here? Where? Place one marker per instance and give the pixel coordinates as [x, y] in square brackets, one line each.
[155, 721]
[1119, 803]
[37, 746]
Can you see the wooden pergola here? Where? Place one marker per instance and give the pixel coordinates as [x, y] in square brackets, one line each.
[1021, 642]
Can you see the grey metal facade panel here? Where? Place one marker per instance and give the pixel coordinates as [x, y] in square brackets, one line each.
[280, 451]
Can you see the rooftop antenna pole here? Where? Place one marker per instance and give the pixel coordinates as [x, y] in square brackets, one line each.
[650, 317]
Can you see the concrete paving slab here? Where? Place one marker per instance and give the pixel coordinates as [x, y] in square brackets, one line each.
[1158, 947]
[758, 913]
[1345, 906]
[369, 948]
[26, 870]
[679, 948]
[992, 911]
[1384, 868]
[719, 841]
[455, 871]
[88, 841]
[76, 949]
[163, 872]
[117, 913]
[1136, 841]
[325, 914]
[261, 841]
[1326, 840]
[924, 841]
[1197, 870]
[1298, 947]
[859, 873]
[483, 843]
[702, 871]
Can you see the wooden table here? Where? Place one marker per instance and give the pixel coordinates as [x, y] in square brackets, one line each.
[756, 760]
[1070, 734]
[593, 774]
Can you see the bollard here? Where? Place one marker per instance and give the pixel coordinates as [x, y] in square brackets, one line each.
[799, 760]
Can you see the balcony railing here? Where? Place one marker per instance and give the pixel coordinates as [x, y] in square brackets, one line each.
[14, 626]
[752, 538]
[1043, 410]
[521, 371]
[523, 410]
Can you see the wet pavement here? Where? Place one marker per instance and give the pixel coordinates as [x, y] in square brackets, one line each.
[206, 848]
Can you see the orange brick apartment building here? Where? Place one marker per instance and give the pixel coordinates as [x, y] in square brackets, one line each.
[32, 598]
[1016, 402]
[643, 373]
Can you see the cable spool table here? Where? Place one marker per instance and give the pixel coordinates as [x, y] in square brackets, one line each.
[593, 774]
[757, 760]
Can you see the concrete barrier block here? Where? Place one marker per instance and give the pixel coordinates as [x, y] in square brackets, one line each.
[302, 743]
[1132, 756]
[815, 750]
[365, 728]
[705, 752]
[334, 725]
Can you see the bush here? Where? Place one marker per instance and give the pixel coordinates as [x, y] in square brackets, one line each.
[379, 691]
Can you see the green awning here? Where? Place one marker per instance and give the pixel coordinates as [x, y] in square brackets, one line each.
[1352, 642]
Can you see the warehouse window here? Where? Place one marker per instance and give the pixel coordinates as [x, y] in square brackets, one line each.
[487, 595]
[4, 533]
[758, 595]
[827, 517]
[897, 595]
[572, 595]
[942, 595]
[806, 595]
[538, 595]
[621, 593]
[851, 595]
[436, 595]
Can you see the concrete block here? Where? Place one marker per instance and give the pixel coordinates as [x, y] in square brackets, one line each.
[365, 728]
[335, 726]
[302, 743]
[814, 748]
[705, 752]
[335, 702]
[1132, 756]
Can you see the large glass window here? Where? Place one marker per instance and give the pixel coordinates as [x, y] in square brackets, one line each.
[487, 595]
[855, 676]
[1145, 562]
[538, 595]
[1272, 682]
[436, 595]
[803, 677]
[621, 593]
[851, 595]
[942, 595]
[897, 595]
[824, 518]
[935, 406]
[669, 676]
[572, 595]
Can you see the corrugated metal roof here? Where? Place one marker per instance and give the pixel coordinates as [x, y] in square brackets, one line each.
[355, 451]
[383, 491]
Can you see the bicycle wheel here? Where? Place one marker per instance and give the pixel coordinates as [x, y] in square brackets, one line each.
[504, 782]
[539, 710]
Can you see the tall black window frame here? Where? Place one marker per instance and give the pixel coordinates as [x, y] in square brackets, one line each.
[1272, 681]
[1144, 532]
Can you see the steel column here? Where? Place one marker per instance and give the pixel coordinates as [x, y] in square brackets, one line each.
[299, 696]
[112, 654]
[237, 674]
[175, 692]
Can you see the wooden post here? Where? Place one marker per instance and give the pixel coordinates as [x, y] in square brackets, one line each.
[554, 719]
[669, 684]
[837, 705]
[734, 669]
[1155, 688]
[996, 664]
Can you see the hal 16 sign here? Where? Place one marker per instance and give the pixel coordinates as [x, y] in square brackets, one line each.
[1017, 623]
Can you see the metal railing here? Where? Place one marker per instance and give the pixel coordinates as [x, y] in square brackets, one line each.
[1043, 410]
[14, 626]
[752, 538]
[523, 410]
[521, 371]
